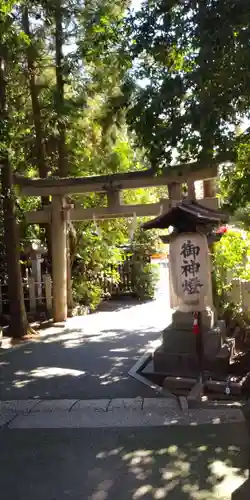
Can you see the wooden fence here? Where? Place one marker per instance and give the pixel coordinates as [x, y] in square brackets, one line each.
[240, 293]
[127, 274]
[38, 295]
[124, 286]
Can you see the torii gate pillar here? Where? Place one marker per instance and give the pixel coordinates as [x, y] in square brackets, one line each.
[59, 258]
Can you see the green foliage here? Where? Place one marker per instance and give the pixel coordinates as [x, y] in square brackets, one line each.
[189, 96]
[145, 278]
[97, 88]
[88, 293]
[98, 258]
[235, 181]
[145, 274]
[230, 260]
[95, 258]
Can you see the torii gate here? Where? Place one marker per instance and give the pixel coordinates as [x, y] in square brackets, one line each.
[59, 212]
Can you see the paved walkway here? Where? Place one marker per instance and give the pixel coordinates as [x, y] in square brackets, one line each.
[178, 463]
[130, 412]
[90, 357]
[74, 425]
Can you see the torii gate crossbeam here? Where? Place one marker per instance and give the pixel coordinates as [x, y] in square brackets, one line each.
[59, 212]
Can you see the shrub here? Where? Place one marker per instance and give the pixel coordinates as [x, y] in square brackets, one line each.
[230, 260]
[145, 278]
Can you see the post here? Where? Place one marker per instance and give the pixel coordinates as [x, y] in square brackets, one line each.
[48, 290]
[200, 346]
[114, 198]
[175, 192]
[209, 188]
[191, 190]
[32, 294]
[235, 293]
[36, 261]
[59, 258]
[245, 295]
[1, 299]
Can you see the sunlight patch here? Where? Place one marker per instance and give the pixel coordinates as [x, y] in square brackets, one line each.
[143, 490]
[231, 478]
[49, 372]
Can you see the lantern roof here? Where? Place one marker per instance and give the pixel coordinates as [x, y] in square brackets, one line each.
[184, 214]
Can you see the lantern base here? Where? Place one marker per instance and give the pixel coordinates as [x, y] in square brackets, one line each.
[184, 320]
[178, 356]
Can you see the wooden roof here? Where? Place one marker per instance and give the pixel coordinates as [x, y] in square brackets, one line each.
[186, 212]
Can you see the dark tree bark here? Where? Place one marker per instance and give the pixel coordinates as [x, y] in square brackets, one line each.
[60, 108]
[18, 324]
[61, 123]
[37, 117]
[34, 93]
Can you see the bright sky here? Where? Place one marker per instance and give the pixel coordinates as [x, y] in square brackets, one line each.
[135, 4]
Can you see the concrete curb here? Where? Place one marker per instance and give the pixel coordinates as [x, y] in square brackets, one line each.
[139, 365]
[102, 413]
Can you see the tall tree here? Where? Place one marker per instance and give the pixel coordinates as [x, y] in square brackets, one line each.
[59, 95]
[31, 56]
[32, 70]
[18, 323]
[189, 56]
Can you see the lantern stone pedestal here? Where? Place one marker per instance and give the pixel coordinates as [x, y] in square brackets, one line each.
[178, 356]
[190, 292]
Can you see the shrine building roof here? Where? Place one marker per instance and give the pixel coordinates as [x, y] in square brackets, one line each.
[186, 212]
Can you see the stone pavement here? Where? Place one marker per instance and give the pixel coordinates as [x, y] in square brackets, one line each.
[207, 462]
[74, 425]
[130, 412]
[89, 357]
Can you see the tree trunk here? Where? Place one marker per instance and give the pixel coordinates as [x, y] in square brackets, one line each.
[37, 118]
[36, 111]
[61, 123]
[60, 110]
[18, 325]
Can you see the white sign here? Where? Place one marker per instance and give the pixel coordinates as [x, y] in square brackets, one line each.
[190, 267]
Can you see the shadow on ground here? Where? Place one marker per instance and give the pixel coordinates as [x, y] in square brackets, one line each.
[90, 358]
[198, 463]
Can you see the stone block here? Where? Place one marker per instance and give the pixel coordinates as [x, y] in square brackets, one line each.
[175, 383]
[222, 327]
[175, 363]
[6, 418]
[160, 405]
[91, 404]
[126, 404]
[183, 403]
[184, 320]
[245, 385]
[216, 416]
[194, 398]
[212, 342]
[178, 341]
[217, 386]
[18, 406]
[54, 405]
[224, 352]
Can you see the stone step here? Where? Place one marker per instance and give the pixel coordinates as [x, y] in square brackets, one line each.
[207, 403]
[174, 383]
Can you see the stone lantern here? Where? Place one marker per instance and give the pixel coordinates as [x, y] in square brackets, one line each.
[190, 284]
